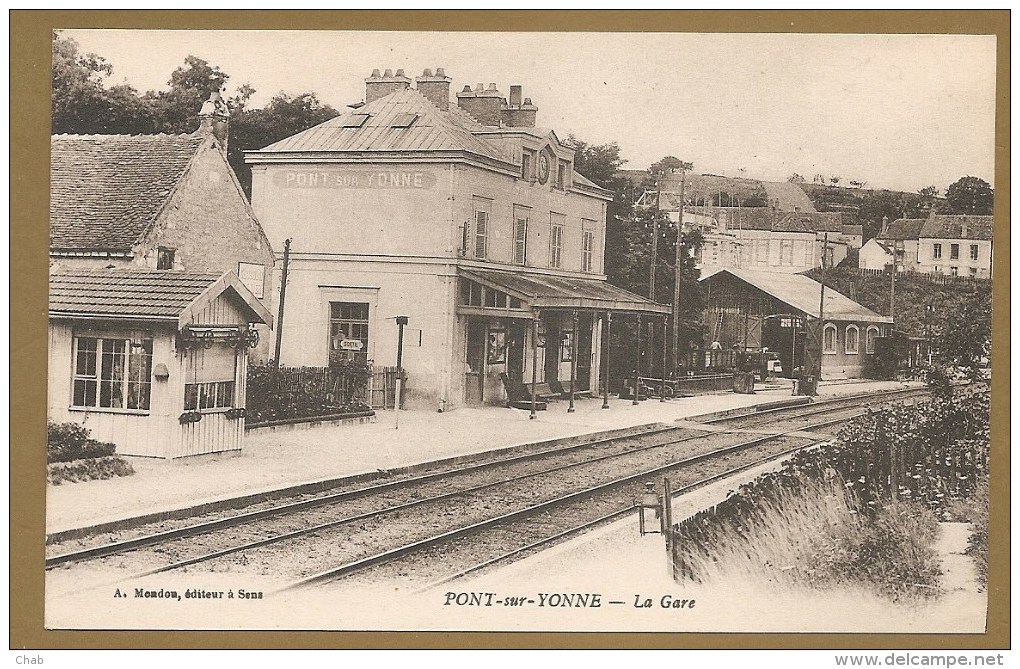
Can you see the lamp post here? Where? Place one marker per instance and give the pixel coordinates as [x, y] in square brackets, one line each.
[401, 322]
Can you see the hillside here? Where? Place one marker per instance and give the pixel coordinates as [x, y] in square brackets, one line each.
[869, 205]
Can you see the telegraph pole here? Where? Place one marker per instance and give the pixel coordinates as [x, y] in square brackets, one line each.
[821, 309]
[676, 270]
[283, 299]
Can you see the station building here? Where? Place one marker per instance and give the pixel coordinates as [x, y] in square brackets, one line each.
[466, 217]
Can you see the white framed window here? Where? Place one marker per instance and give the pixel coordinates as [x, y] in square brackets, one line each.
[556, 240]
[829, 338]
[954, 251]
[209, 379]
[112, 373]
[852, 340]
[528, 164]
[587, 245]
[869, 339]
[973, 251]
[348, 330]
[936, 251]
[521, 217]
[479, 234]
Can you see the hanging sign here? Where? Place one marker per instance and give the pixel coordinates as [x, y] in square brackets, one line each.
[351, 345]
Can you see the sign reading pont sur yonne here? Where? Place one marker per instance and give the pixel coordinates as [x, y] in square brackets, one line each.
[401, 179]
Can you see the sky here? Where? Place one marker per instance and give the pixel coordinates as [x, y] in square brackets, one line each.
[894, 111]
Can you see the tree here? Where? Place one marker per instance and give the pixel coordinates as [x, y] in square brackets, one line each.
[80, 101]
[176, 109]
[835, 179]
[670, 164]
[970, 195]
[252, 129]
[597, 162]
[796, 179]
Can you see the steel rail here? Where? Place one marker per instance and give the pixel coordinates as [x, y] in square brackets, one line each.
[293, 534]
[609, 517]
[115, 548]
[390, 554]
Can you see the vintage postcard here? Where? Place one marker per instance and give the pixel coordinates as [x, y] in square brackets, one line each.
[485, 331]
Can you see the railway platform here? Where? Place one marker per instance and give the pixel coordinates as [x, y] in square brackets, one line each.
[280, 460]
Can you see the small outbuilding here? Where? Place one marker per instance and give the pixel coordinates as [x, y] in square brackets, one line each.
[153, 361]
[751, 310]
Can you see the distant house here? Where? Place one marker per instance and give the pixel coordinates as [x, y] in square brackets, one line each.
[957, 245]
[166, 202]
[154, 361]
[751, 309]
[898, 240]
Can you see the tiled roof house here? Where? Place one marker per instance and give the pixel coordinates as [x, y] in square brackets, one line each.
[155, 201]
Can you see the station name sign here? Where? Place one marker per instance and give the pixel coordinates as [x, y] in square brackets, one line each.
[399, 179]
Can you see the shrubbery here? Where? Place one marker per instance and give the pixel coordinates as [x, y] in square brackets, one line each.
[306, 392]
[72, 455]
[862, 509]
[71, 441]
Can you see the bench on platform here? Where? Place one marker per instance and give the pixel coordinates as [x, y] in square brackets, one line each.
[519, 395]
[563, 390]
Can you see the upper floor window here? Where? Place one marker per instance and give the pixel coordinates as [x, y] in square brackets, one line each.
[164, 258]
[562, 174]
[973, 251]
[521, 217]
[479, 237]
[954, 251]
[112, 373]
[852, 339]
[587, 246]
[528, 165]
[936, 251]
[829, 338]
[786, 252]
[954, 270]
[556, 240]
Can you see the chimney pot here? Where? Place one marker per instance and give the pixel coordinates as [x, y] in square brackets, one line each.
[427, 72]
[440, 72]
[467, 88]
[388, 73]
[479, 87]
[400, 73]
[492, 87]
[435, 89]
[375, 73]
[515, 96]
[527, 101]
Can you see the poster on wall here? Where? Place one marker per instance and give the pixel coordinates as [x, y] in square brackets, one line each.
[496, 354]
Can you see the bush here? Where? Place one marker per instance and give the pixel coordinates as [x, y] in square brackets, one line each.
[891, 553]
[70, 441]
[88, 470]
[306, 392]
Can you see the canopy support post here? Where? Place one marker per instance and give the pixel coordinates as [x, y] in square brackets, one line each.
[573, 359]
[637, 364]
[534, 362]
[605, 377]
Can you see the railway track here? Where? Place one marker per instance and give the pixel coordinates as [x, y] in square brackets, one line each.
[489, 494]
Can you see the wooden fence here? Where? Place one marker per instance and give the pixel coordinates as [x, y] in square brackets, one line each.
[938, 279]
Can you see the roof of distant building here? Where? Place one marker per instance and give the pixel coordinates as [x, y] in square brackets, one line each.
[141, 294]
[958, 226]
[803, 293]
[106, 191]
[903, 229]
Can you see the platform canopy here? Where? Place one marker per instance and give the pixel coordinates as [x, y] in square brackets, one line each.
[541, 292]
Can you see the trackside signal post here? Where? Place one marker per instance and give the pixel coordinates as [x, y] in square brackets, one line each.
[401, 322]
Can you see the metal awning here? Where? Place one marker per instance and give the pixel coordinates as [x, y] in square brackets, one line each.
[544, 292]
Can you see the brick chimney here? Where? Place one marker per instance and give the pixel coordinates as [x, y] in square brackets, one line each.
[435, 87]
[519, 114]
[963, 229]
[484, 104]
[214, 119]
[378, 86]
